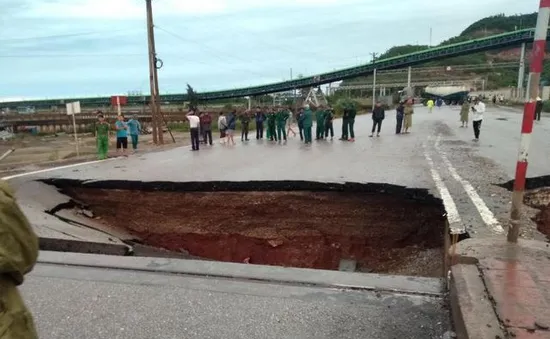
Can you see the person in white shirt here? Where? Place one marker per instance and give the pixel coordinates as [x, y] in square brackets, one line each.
[222, 126]
[477, 116]
[194, 123]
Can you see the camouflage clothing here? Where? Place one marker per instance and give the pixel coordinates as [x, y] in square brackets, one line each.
[18, 254]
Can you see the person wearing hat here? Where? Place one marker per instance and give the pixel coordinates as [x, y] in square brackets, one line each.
[133, 129]
[538, 108]
[194, 123]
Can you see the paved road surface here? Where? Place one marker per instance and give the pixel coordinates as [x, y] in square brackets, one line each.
[437, 155]
[92, 303]
[72, 302]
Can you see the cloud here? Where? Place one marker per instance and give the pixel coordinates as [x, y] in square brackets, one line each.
[98, 47]
[131, 9]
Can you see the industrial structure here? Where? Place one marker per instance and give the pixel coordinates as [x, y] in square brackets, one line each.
[519, 37]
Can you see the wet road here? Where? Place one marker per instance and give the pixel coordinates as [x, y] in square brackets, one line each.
[83, 302]
[437, 155]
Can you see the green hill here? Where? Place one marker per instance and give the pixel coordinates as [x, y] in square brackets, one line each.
[485, 27]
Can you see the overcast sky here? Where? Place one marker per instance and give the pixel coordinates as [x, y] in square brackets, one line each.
[61, 48]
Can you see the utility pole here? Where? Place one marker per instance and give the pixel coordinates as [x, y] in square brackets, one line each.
[158, 138]
[374, 55]
[537, 60]
[521, 73]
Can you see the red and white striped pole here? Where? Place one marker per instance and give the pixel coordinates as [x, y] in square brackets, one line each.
[537, 60]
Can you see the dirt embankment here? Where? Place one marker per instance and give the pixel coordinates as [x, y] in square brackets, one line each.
[540, 199]
[382, 233]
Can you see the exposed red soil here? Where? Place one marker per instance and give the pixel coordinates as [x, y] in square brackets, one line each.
[540, 199]
[298, 229]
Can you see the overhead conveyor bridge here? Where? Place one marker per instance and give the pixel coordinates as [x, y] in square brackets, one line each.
[509, 39]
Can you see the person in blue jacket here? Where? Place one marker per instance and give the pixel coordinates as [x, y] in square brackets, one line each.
[259, 117]
[134, 128]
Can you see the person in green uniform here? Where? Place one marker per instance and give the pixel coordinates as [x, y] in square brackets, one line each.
[281, 117]
[351, 121]
[18, 254]
[245, 122]
[102, 136]
[271, 123]
[308, 122]
[300, 120]
[320, 116]
[345, 123]
[329, 118]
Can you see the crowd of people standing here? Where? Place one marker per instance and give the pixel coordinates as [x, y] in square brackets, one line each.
[280, 122]
[277, 123]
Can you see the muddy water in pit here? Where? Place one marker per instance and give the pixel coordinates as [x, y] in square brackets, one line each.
[383, 233]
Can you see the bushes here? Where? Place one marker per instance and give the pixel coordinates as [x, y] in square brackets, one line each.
[546, 106]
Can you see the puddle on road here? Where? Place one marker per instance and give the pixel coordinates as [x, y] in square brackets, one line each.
[383, 228]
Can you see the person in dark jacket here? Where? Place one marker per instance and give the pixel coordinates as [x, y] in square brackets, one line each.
[400, 114]
[329, 117]
[206, 128]
[231, 125]
[378, 115]
[259, 117]
[538, 109]
[245, 121]
[272, 125]
[351, 122]
[308, 122]
[345, 124]
[300, 119]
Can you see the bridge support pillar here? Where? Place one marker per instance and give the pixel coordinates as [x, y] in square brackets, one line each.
[409, 77]
[521, 72]
[374, 89]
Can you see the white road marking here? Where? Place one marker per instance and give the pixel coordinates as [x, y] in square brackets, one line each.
[453, 217]
[488, 217]
[54, 169]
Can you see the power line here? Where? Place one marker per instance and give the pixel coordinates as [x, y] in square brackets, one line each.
[69, 55]
[68, 35]
[215, 52]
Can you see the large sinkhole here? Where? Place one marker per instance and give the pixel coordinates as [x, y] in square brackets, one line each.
[360, 227]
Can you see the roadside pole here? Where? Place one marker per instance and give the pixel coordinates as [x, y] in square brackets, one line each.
[73, 108]
[118, 105]
[537, 59]
[373, 89]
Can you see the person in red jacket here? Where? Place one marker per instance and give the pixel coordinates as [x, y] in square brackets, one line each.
[206, 128]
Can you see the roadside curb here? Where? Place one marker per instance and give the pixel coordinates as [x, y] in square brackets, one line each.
[333, 279]
[472, 310]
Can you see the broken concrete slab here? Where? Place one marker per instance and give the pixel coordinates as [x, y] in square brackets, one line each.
[36, 198]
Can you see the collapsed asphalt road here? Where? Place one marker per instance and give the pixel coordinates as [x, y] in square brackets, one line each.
[373, 227]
